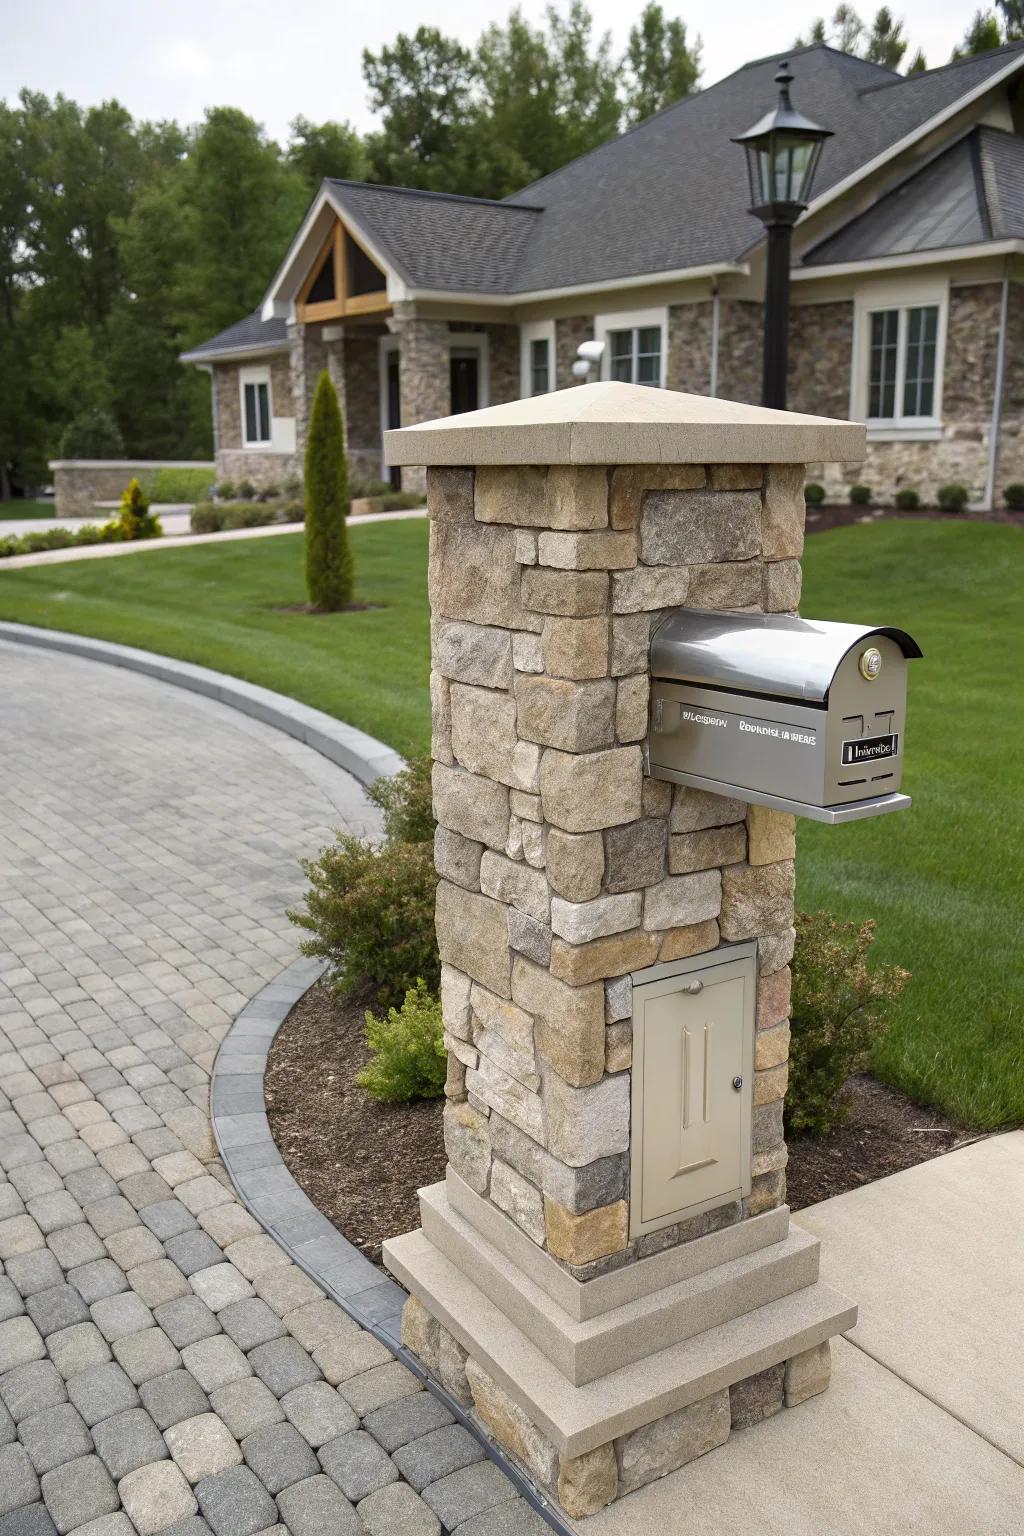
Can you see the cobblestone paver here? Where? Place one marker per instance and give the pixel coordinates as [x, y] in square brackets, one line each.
[156, 1371]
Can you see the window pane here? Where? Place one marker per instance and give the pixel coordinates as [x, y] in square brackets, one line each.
[648, 350]
[257, 412]
[882, 364]
[540, 381]
[251, 425]
[919, 378]
[621, 355]
[263, 396]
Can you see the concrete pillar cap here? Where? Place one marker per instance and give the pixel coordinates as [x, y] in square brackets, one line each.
[613, 423]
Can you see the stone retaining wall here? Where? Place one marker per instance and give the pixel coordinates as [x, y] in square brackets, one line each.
[80, 483]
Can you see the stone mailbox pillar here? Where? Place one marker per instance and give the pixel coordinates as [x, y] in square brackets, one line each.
[600, 1350]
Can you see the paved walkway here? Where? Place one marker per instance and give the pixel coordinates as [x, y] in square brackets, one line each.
[920, 1432]
[181, 538]
[163, 1366]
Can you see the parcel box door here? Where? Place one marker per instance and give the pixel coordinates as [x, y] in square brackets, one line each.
[692, 1063]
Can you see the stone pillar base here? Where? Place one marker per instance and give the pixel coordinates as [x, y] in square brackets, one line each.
[597, 1388]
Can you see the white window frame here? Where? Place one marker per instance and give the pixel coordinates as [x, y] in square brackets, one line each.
[900, 295]
[633, 320]
[531, 331]
[256, 376]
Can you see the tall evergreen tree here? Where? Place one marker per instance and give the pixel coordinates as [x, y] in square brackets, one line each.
[886, 43]
[329, 568]
[662, 65]
[316, 150]
[982, 36]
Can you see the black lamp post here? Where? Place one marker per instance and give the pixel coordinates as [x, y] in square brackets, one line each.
[783, 151]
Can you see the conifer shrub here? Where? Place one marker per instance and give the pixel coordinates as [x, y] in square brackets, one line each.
[838, 1010]
[329, 569]
[907, 500]
[409, 1059]
[134, 520]
[814, 494]
[860, 495]
[1014, 497]
[953, 498]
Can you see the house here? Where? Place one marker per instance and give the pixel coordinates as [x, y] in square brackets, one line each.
[907, 303]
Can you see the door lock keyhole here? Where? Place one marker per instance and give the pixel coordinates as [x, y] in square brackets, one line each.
[737, 1083]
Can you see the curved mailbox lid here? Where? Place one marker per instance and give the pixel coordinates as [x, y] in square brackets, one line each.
[763, 653]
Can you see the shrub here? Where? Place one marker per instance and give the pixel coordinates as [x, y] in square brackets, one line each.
[907, 500]
[92, 435]
[1014, 497]
[814, 494]
[245, 490]
[328, 557]
[405, 798]
[172, 485]
[206, 517]
[225, 490]
[49, 538]
[269, 492]
[953, 498]
[292, 511]
[860, 495]
[134, 520]
[397, 501]
[358, 489]
[370, 914]
[248, 514]
[409, 1061]
[91, 533]
[293, 485]
[838, 1010]
[11, 545]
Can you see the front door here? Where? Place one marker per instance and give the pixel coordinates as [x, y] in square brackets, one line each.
[393, 407]
[464, 379]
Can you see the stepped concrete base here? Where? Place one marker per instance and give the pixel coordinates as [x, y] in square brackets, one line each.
[677, 1347]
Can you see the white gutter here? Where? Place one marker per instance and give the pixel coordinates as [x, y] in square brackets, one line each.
[997, 399]
[910, 139]
[941, 255]
[612, 285]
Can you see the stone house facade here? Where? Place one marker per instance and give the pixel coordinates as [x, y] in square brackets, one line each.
[907, 304]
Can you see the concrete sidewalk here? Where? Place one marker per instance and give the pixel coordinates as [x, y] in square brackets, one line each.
[922, 1430]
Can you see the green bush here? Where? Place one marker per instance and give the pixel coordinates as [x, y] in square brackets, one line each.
[245, 490]
[134, 519]
[838, 1011]
[329, 569]
[405, 798]
[359, 489]
[293, 485]
[953, 498]
[63, 538]
[907, 500]
[225, 490]
[180, 485]
[814, 494]
[92, 435]
[370, 914]
[409, 1060]
[293, 510]
[1014, 497]
[249, 514]
[206, 517]
[860, 495]
[397, 501]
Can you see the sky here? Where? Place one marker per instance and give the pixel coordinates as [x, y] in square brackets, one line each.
[277, 59]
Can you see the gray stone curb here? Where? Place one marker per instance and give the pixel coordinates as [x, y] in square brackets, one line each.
[267, 1190]
[363, 756]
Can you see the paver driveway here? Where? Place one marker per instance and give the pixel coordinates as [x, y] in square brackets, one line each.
[163, 1366]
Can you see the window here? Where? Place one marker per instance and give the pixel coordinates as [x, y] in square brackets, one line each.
[634, 355]
[903, 347]
[540, 366]
[256, 410]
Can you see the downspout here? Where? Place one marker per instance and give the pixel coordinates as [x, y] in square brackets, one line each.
[713, 391]
[997, 399]
[207, 368]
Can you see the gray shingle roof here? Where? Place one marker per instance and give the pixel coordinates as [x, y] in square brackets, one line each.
[671, 193]
[434, 240]
[971, 192]
[251, 334]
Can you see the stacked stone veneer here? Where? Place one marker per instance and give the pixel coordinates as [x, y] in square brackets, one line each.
[563, 869]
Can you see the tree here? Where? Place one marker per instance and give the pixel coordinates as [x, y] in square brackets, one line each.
[421, 86]
[662, 66]
[92, 435]
[886, 43]
[1013, 19]
[981, 36]
[317, 150]
[588, 80]
[329, 570]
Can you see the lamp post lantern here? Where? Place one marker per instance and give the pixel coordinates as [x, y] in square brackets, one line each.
[783, 151]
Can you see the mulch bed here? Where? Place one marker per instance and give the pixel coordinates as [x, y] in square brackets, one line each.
[821, 519]
[362, 1162]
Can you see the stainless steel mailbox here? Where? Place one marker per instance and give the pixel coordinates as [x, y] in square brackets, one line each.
[799, 714]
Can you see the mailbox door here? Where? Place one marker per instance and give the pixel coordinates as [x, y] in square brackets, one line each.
[693, 1042]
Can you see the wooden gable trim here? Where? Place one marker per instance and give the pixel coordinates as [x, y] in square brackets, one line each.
[343, 303]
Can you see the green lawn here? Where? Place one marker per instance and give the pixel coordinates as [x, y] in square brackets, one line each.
[945, 880]
[11, 510]
[217, 604]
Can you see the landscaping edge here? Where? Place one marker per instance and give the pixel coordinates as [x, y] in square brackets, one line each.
[268, 1191]
[363, 756]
